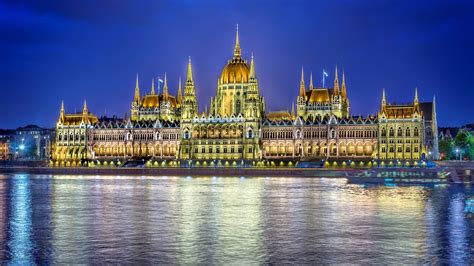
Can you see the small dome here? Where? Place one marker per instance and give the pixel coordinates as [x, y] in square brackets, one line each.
[236, 71]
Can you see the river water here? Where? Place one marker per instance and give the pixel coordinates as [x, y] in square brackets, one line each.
[185, 220]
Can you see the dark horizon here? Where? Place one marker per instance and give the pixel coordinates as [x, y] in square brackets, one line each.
[53, 51]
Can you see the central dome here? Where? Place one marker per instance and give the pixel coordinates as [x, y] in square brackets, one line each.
[236, 71]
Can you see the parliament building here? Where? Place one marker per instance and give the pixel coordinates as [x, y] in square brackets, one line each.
[167, 130]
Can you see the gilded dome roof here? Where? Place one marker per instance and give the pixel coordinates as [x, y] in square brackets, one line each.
[319, 95]
[151, 101]
[236, 71]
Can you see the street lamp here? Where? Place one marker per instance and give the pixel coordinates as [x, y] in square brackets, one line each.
[457, 153]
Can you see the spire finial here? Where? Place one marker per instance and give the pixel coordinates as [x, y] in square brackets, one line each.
[62, 106]
[180, 95]
[311, 80]
[189, 76]
[252, 68]
[416, 95]
[84, 109]
[302, 87]
[336, 83]
[384, 101]
[165, 88]
[136, 97]
[152, 86]
[344, 92]
[237, 52]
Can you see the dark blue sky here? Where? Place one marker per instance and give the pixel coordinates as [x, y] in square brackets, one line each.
[75, 50]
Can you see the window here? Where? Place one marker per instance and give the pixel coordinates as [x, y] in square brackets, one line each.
[400, 133]
[415, 132]
[249, 133]
[392, 132]
[407, 133]
[250, 150]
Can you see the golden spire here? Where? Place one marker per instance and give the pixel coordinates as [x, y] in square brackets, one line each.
[416, 96]
[384, 102]
[302, 88]
[165, 88]
[152, 86]
[189, 76]
[84, 109]
[344, 92]
[84, 112]
[237, 52]
[61, 113]
[252, 68]
[136, 98]
[311, 80]
[336, 84]
[180, 95]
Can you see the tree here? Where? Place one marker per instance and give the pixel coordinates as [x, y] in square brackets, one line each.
[446, 149]
[464, 142]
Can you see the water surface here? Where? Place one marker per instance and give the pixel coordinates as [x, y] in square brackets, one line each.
[125, 219]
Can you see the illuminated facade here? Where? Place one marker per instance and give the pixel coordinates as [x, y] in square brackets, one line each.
[323, 101]
[237, 128]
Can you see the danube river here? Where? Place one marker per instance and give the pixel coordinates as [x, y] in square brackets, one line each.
[185, 220]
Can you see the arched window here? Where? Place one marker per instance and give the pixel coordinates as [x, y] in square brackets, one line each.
[249, 133]
[400, 132]
[407, 133]
[392, 132]
[415, 132]
[186, 134]
[297, 134]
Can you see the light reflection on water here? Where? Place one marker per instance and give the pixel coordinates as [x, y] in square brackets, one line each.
[81, 219]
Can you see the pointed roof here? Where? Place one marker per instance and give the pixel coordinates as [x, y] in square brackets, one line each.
[189, 75]
[336, 84]
[344, 92]
[136, 97]
[311, 80]
[180, 94]
[165, 88]
[252, 68]
[302, 87]
[237, 51]
[152, 86]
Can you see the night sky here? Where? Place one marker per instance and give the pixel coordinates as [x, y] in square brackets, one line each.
[75, 50]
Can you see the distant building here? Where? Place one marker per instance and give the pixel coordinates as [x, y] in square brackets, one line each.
[32, 143]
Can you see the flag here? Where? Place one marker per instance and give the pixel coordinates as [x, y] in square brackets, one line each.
[325, 73]
[160, 80]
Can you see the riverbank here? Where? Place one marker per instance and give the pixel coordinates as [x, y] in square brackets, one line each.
[255, 172]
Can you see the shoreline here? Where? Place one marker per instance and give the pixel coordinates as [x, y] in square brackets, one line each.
[224, 172]
[227, 172]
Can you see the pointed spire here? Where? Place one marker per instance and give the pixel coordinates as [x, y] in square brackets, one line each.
[311, 81]
[61, 113]
[237, 52]
[384, 101]
[302, 87]
[344, 92]
[293, 110]
[336, 84]
[152, 86]
[416, 96]
[252, 68]
[84, 109]
[165, 88]
[136, 97]
[189, 76]
[180, 94]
